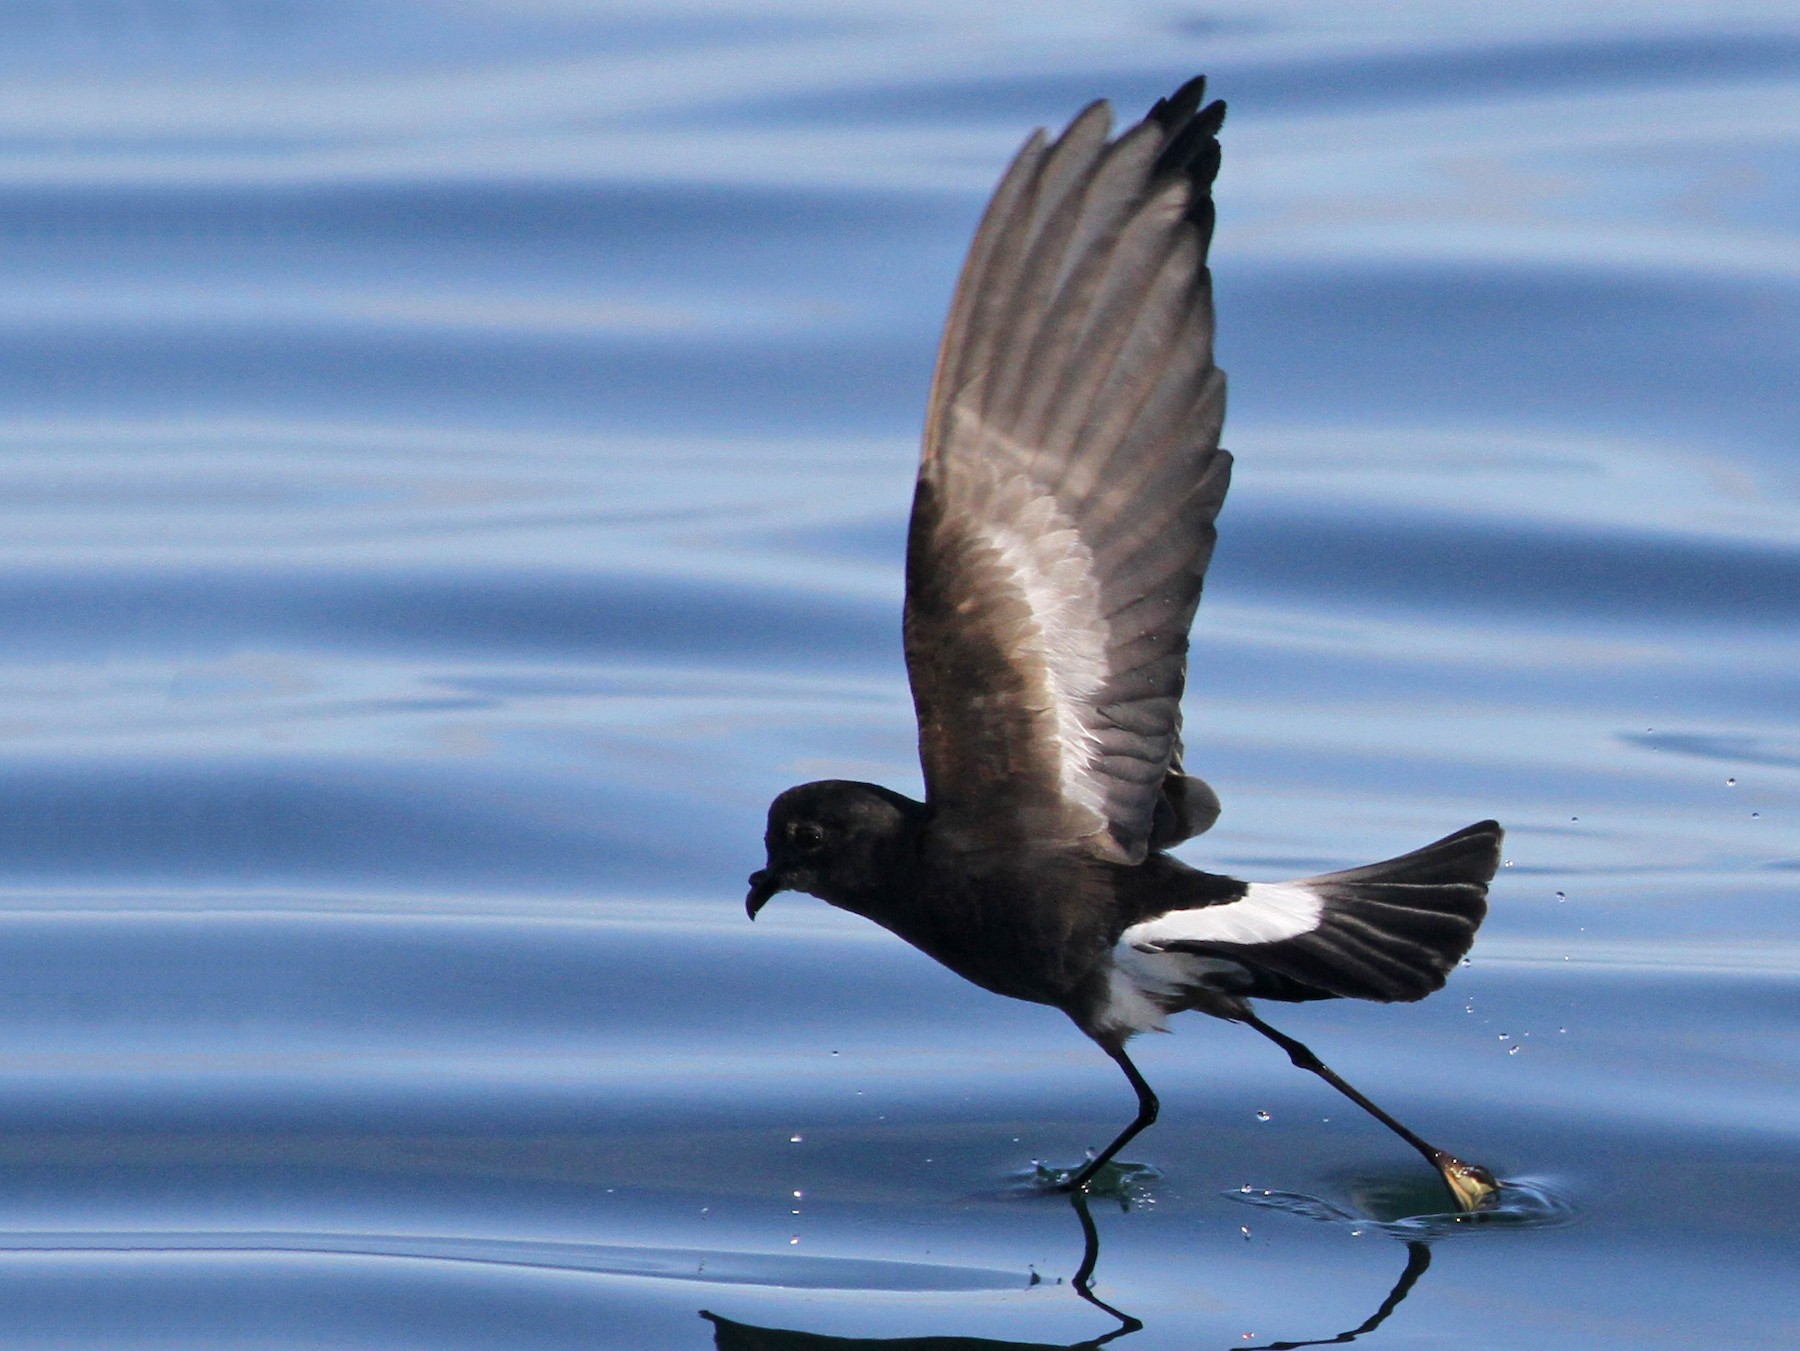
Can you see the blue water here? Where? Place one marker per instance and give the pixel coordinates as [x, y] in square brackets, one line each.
[455, 470]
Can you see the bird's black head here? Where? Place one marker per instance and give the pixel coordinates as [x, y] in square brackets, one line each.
[847, 843]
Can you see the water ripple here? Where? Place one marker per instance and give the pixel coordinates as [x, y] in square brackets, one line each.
[1530, 1203]
[708, 1266]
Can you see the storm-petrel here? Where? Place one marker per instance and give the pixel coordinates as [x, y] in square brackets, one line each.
[1061, 526]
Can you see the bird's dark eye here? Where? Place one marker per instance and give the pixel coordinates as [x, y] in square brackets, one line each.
[805, 835]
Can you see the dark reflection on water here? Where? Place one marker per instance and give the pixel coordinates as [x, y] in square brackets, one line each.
[733, 1336]
[1418, 1259]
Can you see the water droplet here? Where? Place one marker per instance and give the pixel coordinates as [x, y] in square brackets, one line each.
[1261, 1115]
[1510, 1050]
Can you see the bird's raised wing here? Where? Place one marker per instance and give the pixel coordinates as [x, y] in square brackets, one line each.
[1071, 472]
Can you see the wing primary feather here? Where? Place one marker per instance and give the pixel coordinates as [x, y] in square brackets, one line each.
[1180, 106]
[1134, 370]
[1112, 195]
[1070, 476]
[1091, 259]
[956, 350]
[1133, 477]
[1056, 214]
[1168, 441]
[1066, 416]
[1134, 554]
[1193, 152]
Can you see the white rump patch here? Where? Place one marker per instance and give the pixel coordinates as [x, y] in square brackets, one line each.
[1268, 913]
[1141, 985]
[1130, 1006]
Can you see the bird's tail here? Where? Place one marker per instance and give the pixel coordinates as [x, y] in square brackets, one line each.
[1393, 930]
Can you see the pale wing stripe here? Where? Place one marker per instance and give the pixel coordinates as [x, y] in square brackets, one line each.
[1054, 572]
[1268, 913]
[1041, 550]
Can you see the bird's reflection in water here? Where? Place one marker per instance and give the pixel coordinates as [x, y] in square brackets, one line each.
[733, 1336]
[1418, 1257]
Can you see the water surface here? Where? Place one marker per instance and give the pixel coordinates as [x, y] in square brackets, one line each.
[455, 472]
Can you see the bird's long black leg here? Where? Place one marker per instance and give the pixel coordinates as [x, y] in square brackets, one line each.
[1471, 1184]
[1147, 1107]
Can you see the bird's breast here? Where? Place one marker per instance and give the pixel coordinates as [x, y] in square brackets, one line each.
[1030, 930]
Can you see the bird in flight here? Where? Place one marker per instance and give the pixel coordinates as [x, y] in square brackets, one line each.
[1061, 528]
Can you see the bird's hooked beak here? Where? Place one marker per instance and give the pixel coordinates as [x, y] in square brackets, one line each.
[763, 884]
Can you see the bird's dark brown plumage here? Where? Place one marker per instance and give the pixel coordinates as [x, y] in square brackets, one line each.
[1062, 525]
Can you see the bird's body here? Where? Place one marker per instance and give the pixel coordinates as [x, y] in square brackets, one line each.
[1061, 530]
[1119, 947]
